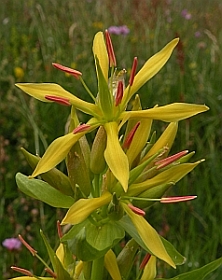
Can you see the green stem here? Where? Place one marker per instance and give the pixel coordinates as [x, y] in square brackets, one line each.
[87, 89]
[97, 269]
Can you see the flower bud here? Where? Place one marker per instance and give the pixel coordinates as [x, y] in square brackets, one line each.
[54, 177]
[78, 167]
[97, 160]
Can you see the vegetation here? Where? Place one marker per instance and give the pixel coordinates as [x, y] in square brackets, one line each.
[36, 33]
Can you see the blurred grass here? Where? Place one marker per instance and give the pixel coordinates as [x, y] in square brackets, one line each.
[36, 33]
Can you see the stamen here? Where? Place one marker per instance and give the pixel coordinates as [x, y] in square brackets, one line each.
[166, 161]
[22, 270]
[31, 250]
[81, 128]
[49, 271]
[59, 229]
[145, 261]
[119, 93]
[130, 136]
[58, 99]
[176, 199]
[68, 70]
[137, 210]
[111, 54]
[133, 71]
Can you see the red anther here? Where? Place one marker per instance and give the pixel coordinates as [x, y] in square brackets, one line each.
[166, 161]
[137, 210]
[58, 99]
[145, 261]
[52, 273]
[22, 270]
[111, 54]
[130, 136]
[133, 71]
[81, 128]
[31, 250]
[68, 70]
[119, 93]
[59, 229]
[175, 199]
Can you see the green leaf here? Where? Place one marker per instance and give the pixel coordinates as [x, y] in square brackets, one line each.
[93, 241]
[198, 274]
[57, 265]
[50, 251]
[129, 227]
[41, 190]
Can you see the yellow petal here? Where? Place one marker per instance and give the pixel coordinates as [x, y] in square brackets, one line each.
[166, 139]
[149, 236]
[115, 156]
[171, 175]
[80, 210]
[60, 253]
[56, 152]
[111, 265]
[139, 140]
[169, 113]
[39, 91]
[150, 68]
[149, 272]
[100, 51]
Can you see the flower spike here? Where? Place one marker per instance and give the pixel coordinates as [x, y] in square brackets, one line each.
[68, 70]
[111, 54]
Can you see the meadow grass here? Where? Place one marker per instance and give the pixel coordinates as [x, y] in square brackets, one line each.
[36, 33]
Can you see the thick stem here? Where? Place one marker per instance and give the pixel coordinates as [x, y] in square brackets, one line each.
[97, 269]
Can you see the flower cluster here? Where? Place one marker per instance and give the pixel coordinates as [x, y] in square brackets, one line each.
[112, 183]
